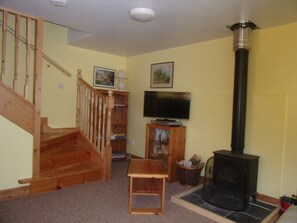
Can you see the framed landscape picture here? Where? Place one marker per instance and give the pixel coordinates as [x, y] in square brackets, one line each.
[162, 75]
[104, 77]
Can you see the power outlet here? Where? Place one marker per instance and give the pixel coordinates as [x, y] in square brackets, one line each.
[130, 142]
[60, 85]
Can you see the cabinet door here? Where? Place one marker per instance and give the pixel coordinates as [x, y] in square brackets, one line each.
[166, 143]
[158, 145]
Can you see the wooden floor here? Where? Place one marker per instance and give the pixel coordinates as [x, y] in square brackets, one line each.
[65, 160]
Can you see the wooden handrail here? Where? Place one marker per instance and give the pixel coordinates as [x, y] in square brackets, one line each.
[58, 66]
[87, 85]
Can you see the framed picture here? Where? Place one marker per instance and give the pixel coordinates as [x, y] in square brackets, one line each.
[104, 77]
[162, 75]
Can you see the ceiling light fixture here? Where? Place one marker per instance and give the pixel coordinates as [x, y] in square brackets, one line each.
[59, 2]
[142, 14]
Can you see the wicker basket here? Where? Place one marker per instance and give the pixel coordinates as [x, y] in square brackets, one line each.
[189, 175]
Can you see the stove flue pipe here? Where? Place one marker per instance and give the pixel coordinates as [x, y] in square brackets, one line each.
[241, 47]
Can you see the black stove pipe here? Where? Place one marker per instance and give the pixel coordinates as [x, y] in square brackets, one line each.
[241, 47]
[239, 100]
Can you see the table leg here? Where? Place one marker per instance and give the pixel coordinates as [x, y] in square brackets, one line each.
[163, 197]
[130, 194]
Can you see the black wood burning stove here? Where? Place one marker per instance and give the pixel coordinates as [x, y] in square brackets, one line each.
[235, 174]
[233, 181]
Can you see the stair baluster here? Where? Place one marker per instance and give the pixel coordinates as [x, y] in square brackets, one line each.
[16, 51]
[4, 30]
[28, 29]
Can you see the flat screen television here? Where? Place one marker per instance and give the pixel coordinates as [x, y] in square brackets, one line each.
[167, 105]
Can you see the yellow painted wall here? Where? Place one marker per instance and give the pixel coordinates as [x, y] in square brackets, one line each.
[15, 154]
[207, 70]
[59, 105]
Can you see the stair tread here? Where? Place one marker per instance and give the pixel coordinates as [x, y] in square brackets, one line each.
[61, 157]
[58, 163]
[64, 150]
[54, 135]
[56, 141]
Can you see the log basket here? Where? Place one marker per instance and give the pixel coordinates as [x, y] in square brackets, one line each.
[189, 175]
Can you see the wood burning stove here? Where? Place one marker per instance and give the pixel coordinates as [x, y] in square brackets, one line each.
[234, 178]
[235, 174]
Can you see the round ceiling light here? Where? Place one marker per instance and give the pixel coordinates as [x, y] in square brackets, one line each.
[142, 14]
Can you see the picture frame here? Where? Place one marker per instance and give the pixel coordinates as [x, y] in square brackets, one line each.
[162, 75]
[104, 77]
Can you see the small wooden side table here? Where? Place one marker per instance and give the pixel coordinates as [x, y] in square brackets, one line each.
[147, 177]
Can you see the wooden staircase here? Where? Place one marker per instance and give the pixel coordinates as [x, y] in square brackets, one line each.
[61, 157]
[66, 159]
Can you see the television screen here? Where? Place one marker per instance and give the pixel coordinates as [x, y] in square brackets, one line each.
[162, 104]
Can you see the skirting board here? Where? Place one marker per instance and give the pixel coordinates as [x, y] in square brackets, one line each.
[14, 193]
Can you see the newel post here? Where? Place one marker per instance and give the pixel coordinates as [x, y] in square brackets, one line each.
[37, 98]
[108, 149]
[78, 99]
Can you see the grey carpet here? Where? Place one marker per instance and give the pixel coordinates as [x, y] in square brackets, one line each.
[105, 202]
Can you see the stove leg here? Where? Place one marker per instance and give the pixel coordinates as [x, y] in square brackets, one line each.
[254, 198]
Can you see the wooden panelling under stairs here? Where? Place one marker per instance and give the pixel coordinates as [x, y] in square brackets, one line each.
[16, 108]
[66, 160]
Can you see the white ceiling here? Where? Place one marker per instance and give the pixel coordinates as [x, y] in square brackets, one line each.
[105, 25]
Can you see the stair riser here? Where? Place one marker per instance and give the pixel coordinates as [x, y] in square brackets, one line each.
[50, 163]
[59, 143]
[65, 181]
